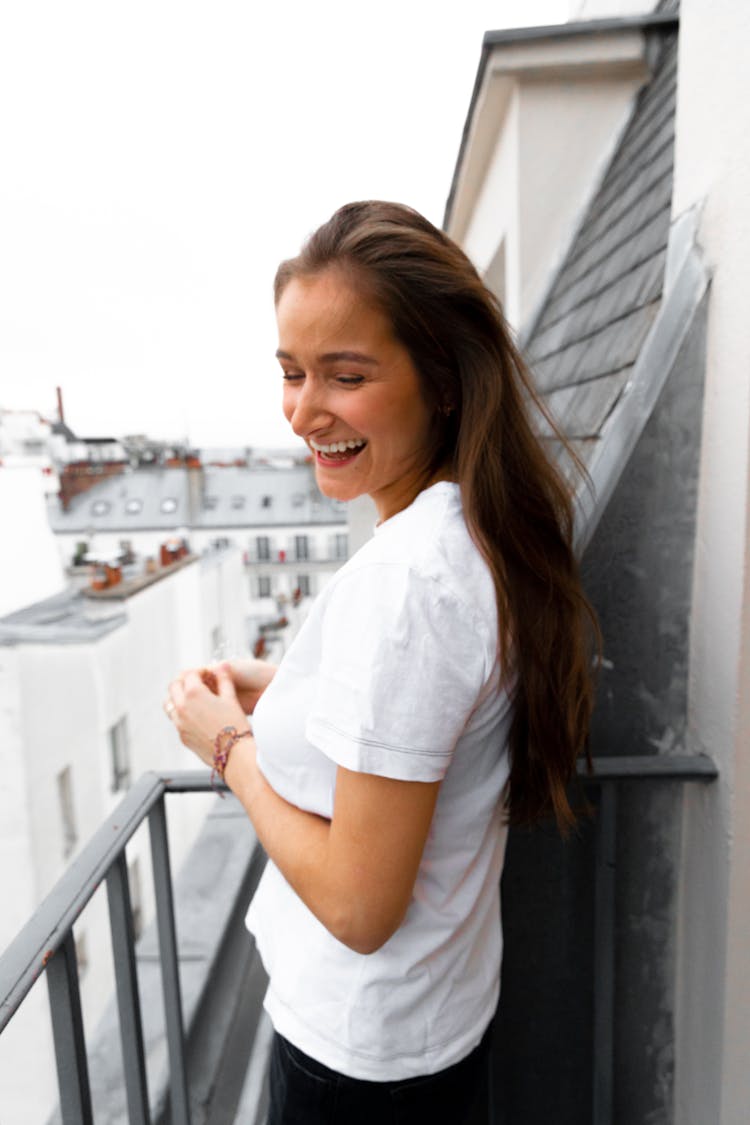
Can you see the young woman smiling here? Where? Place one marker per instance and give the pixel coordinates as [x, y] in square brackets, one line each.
[439, 689]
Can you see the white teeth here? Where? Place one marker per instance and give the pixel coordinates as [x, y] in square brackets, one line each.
[338, 446]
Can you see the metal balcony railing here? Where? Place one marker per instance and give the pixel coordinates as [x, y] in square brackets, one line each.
[46, 945]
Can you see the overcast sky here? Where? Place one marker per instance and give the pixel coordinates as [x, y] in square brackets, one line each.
[159, 158]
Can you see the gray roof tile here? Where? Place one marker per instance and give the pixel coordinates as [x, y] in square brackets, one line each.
[607, 293]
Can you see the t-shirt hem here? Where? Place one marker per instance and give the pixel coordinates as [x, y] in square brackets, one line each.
[357, 1064]
[373, 757]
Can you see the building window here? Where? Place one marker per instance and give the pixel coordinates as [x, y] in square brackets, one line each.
[266, 501]
[303, 585]
[237, 502]
[218, 643]
[340, 545]
[263, 547]
[100, 508]
[168, 505]
[264, 586]
[298, 499]
[133, 507]
[301, 547]
[67, 811]
[119, 752]
[210, 503]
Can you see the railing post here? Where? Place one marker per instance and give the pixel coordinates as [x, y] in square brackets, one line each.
[128, 1001]
[157, 823]
[604, 955]
[67, 1030]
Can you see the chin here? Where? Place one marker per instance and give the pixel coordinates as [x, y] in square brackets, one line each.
[337, 490]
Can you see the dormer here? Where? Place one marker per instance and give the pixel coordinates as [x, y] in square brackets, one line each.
[548, 109]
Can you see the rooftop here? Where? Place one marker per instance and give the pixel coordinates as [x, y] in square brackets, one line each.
[207, 498]
[65, 618]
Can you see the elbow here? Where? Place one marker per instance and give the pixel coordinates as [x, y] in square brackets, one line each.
[367, 944]
[366, 935]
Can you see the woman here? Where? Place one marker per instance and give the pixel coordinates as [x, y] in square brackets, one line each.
[439, 689]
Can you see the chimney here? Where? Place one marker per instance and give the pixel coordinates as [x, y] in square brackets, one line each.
[60, 411]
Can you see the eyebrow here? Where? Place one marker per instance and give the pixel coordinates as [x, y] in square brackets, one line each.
[335, 357]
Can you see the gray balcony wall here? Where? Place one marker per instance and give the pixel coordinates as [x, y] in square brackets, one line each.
[638, 571]
[638, 574]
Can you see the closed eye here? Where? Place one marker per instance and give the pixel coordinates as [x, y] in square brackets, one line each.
[350, 380]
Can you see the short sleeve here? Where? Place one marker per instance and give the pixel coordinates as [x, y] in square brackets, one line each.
[403, 664]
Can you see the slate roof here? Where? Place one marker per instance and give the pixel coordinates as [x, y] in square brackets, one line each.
[606, 296]
[212, 498]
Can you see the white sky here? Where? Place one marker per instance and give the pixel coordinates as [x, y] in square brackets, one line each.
[157, 160]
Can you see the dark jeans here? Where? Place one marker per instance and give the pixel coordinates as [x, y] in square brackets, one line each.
[304, 1092]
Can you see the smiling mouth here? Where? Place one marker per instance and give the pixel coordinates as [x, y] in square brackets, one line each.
[337, 452]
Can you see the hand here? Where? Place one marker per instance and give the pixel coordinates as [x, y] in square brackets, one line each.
[250, 678]
[199, 714]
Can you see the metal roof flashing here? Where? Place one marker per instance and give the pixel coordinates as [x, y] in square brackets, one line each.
[687, 279]
[658, 21]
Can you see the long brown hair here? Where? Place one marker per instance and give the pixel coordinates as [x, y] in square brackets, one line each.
[517, 504]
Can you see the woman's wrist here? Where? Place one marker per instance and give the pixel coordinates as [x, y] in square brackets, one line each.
[224, 743]
[241, 770]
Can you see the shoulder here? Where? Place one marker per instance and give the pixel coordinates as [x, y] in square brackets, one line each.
[424, 556]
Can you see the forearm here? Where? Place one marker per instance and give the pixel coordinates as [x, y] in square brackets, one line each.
[299, 843]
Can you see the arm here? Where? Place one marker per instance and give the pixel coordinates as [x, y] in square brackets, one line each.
[355, 872]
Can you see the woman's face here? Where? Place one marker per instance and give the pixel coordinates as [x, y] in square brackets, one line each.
[352, 392]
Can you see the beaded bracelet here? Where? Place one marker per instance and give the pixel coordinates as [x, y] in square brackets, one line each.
[221, 752]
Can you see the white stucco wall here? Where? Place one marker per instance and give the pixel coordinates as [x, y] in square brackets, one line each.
[30, 568]
[495, 217]
[713, 170]
[568, 132]
[609, 9]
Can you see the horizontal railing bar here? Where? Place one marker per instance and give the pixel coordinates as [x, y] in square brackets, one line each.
[191, 781]
[651, 767]
[28, 954]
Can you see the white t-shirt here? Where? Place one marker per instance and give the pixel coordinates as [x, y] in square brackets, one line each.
[394, 673]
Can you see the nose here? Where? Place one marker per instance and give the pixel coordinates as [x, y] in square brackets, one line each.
[305, 405]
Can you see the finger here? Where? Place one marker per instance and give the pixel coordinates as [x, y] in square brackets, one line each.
[225, 683]
[192, 683]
